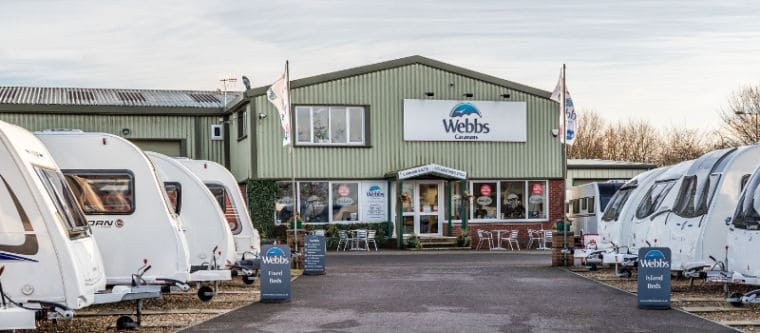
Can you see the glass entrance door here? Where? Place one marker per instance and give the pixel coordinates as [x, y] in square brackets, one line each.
[422, 207]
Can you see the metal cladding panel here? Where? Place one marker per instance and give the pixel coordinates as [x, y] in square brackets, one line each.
[141, 127]
[114, 97]
[240, 149]
[383, 93]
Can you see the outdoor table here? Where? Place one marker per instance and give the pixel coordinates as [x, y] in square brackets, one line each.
[498, 237]
[355, 240]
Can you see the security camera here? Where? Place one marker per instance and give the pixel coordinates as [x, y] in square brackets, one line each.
[555, 132]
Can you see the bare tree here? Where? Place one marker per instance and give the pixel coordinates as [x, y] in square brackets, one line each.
[681, 144]
[589, 140]
[741, 120]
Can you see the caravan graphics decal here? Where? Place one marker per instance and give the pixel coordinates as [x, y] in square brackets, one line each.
[30, 245]
[464, 120]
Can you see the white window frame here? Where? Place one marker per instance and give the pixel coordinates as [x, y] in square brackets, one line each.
[547, 203]
[348, 110]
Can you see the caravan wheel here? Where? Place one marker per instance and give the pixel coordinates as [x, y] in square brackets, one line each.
[205, 293]
[249, 279]
[126, 323]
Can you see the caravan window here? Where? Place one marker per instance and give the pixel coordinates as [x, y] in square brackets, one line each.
[691, 204]
[13, 223]
[228, 207]
[64, 200]
[746, 215]
[653, 199]
[606, 191]
[103, 193]
[174, 193]
[612, 212]
[591, 204]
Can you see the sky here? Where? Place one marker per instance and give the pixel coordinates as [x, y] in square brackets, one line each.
[673, 63]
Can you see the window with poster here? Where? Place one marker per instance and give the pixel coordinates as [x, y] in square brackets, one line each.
[508, 200]
[322, 202]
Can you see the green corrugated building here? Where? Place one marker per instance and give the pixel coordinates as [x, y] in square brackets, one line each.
[412, 144]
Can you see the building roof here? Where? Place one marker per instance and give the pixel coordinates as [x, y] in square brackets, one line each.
[48, 98]
[606, 164]
[416, 59]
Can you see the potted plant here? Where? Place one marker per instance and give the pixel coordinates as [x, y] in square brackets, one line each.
[464, 238]
[412, 242]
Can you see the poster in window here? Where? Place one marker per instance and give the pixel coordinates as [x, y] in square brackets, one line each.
[374, 202]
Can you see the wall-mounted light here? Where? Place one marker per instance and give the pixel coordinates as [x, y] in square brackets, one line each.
[126, 131]
[263, 116]
[505, 95]
[429, 94]
[468, 95]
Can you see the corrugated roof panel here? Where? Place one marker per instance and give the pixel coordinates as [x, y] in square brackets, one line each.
[115, 97]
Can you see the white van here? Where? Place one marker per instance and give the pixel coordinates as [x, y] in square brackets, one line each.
[586, 204]
[49, 261]
[224, 188]
[126, 207]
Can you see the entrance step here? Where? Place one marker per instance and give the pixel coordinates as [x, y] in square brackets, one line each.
[438, 243]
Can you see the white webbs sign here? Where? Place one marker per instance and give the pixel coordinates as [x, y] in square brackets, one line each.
[444, 120]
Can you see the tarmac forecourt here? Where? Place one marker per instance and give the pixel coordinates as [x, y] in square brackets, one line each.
[453, 292]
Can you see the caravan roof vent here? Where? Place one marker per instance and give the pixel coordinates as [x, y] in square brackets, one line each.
[81, 96]
[204, 98]
[132, 97]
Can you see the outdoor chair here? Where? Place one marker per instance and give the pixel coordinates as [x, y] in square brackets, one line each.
[361, 236]
[547, 238]
[512, 239]
[484, 236]
[343, 239]
[371, 238]
[534, 237]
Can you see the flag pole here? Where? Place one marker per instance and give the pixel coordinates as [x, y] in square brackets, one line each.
[563, 114]
[292, 163]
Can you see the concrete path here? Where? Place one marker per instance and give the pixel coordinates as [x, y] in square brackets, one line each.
[452, 292]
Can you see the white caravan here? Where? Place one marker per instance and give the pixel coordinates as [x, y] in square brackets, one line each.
[649, 211]
[740, 264]
[615, 225]
[224, 187]
[694, 229]
[126, 207]
[49, 262]
[209, 238]
[586, 204]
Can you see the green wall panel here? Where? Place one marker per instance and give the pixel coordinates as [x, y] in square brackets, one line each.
[383, 92]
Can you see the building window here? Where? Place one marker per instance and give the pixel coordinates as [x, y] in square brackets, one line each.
[314, 199]
[330, 125]
[333, 202]
[509, 200]
[103, 193]
[513, 200]
[345, 201]
[242, 124]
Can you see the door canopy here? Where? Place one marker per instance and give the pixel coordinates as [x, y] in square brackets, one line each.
[432, 169]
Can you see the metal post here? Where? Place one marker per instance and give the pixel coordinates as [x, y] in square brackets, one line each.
[563, 113]
[465, 203]
[448, 207]
[390, 212]
[399, 215]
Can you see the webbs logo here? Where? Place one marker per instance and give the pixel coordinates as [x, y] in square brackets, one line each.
[654, 259]
[275, 256]
[460, 127]
[375, 192]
